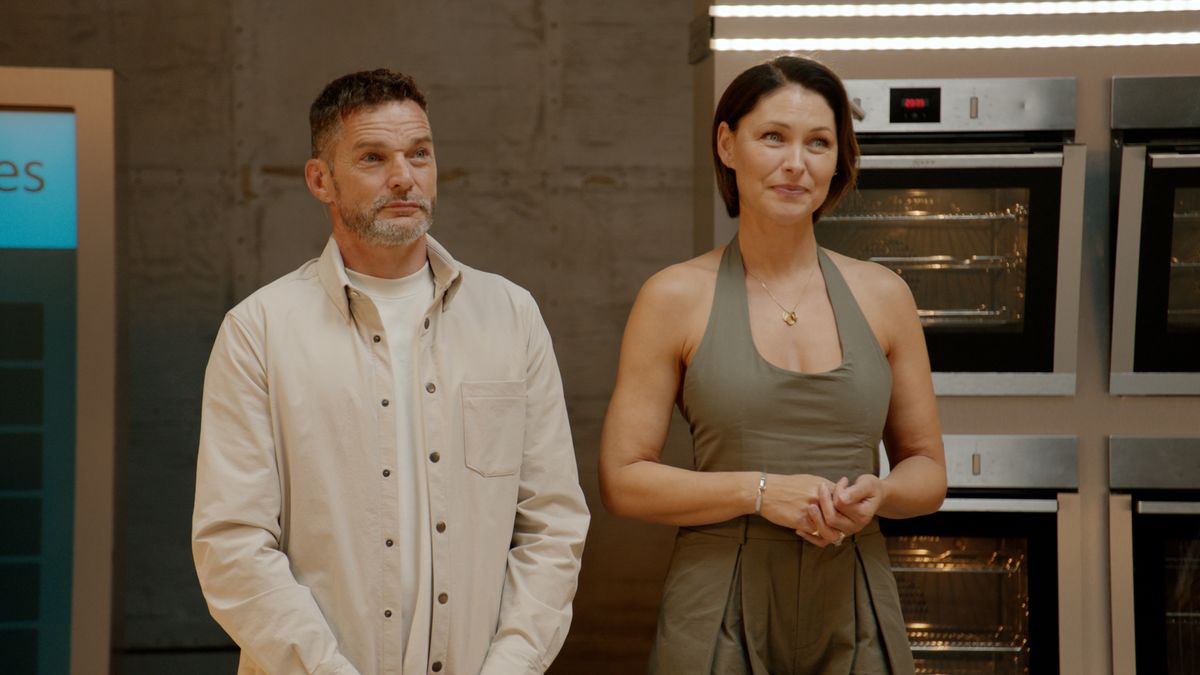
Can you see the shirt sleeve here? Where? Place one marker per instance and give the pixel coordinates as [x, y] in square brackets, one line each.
[551, 523]
[236, 530]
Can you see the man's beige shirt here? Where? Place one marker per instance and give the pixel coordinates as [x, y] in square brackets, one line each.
[297, 498]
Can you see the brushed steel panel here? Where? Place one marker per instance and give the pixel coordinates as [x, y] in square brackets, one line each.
[1120, 566]
[965, 161]
[1125, 280]
[1004, 384]
[1169, 508]
[1161, 384]
[1000, 103]
[1174, 160]
[1012, 462]
[970, 505]
[1151, 102]
[1070, 261]
[1154, 463]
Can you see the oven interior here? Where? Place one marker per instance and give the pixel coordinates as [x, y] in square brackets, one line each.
[962, 250]
[988, 629]
[1166, 567]
[978, 591]
[1183, 291]
[1167, 315]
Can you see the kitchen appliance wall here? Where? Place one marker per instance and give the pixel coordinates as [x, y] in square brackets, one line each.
[578, 183]
[1091, 414]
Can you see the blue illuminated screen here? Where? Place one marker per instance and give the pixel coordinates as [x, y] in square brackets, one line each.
[37, 179]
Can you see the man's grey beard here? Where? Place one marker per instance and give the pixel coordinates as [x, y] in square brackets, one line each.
[372, 229]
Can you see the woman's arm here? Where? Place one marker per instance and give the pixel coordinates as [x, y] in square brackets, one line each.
[670, 312]
[912, 434]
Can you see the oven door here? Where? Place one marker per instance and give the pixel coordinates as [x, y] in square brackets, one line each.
[1156, 293]
[990, 246]
[1157, 550]
[979, 585]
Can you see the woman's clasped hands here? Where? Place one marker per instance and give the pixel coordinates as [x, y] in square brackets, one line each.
[841, 510]
[822, 512]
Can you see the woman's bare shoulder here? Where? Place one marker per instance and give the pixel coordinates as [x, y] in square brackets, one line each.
[872, 281]
[884, 298]
[673, 306]
[683, 282]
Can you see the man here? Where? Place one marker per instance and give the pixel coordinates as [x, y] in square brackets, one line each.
[386, 481]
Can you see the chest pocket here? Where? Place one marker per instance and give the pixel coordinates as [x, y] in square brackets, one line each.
[494, 426]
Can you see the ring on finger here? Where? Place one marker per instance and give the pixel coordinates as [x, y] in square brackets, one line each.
[840, 538]
[815, 533]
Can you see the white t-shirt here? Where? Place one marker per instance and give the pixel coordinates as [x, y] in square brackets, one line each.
[402, 304]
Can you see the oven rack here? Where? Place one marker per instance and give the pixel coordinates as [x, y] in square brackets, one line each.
[926, 218]
[924, 564]
[990, 317]
[962, 641]
[962, 668]
[978, 647]
[958, 569]
[974, 263]
[933, 663]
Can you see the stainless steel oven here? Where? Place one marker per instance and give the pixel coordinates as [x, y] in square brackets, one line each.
[1154, 533]
[1156, 277]
[972, 191]
[987, 581]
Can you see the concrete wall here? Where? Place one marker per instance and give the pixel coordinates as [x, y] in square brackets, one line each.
[565, 164]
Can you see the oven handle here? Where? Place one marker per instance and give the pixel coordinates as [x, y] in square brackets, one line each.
[977, 161]
[1174, 160]
[1169, 508]
[969, 505]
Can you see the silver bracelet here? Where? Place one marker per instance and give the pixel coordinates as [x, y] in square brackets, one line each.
[762, 487]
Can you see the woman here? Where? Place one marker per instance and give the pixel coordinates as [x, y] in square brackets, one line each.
[790, 363]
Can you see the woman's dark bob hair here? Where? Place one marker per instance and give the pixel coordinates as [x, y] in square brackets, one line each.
[743, 94]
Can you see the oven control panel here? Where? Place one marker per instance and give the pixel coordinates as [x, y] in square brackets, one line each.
[958, 105]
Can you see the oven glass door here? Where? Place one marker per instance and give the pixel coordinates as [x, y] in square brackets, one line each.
[976, 238]
[1166, 579]
[979, 591]
[1168, 305]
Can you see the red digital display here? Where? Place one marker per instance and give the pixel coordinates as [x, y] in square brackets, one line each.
[915, 105]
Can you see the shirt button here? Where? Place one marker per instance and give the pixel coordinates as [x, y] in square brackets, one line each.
[436, 667]
[427, 322]
[434, 457]
[385, 402]
[376, 338]
[431, 387]
[443, 598]
[387, 472]
[389, 542]
[441, 527]
[387, 613]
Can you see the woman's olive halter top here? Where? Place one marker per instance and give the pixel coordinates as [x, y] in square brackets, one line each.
[749, 415]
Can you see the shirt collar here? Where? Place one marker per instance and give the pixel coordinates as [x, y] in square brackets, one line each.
[331, 270]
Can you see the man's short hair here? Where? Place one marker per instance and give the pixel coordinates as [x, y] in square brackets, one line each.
[357, 91]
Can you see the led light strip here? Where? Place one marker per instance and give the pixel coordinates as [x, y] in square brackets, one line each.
[955, 9]
[964, 42]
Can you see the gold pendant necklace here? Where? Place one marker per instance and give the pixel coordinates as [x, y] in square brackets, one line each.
[789, 315]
